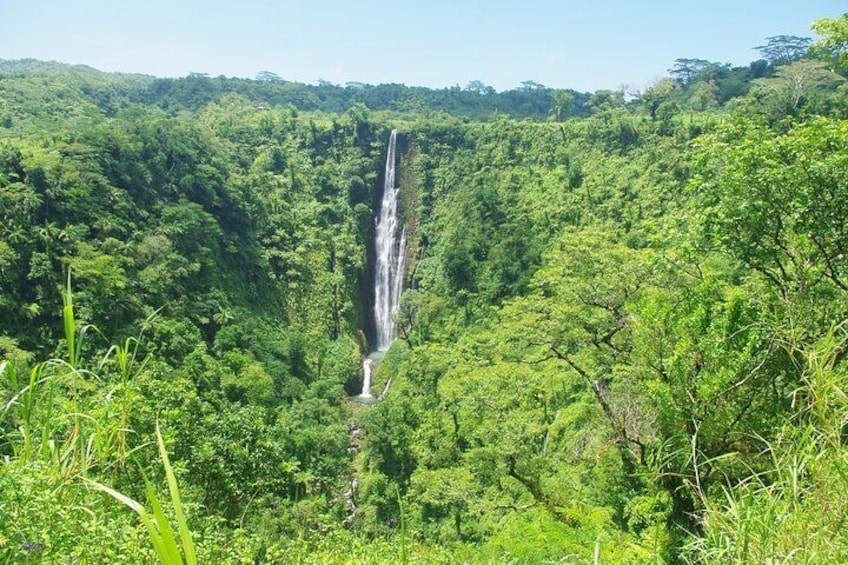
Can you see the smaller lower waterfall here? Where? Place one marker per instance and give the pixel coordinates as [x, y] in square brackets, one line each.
[369, 364]
[368, 367]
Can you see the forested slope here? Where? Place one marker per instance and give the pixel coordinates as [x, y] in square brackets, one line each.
[622, 337]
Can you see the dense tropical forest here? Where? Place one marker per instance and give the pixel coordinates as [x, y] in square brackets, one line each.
[622, 338]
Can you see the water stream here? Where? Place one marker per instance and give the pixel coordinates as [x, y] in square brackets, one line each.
[389, 255]
[390, 258]
[367, 367]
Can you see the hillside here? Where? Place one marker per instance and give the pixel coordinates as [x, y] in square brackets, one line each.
[621, 337]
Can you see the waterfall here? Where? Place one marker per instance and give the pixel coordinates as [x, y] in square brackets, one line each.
[389, 265]
[367, 367]
[390, 256]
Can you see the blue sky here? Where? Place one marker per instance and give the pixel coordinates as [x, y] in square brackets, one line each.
[584, 45]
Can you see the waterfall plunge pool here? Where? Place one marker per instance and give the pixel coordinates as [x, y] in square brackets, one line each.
[369, 365]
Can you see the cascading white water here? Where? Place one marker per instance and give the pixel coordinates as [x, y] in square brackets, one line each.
[389, 252]
[367, 367]
[390, 256]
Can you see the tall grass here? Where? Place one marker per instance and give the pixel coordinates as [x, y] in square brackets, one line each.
[797, 511]
[59, 411]
[62, 420]
[43, 410]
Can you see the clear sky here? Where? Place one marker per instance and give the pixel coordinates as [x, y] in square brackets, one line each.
[586, 45]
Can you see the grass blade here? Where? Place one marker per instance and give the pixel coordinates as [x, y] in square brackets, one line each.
[185, 533]
[153, 533]
[68, 322]
[166, 536]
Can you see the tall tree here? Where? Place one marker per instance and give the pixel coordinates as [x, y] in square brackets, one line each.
[684, 70]
[658, 93]
[784, 49]
[795, 85]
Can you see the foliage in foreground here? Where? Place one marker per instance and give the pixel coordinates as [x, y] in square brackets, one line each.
[617, 345]
[795, 510]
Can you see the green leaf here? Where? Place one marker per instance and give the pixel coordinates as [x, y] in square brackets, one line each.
[185, 533]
